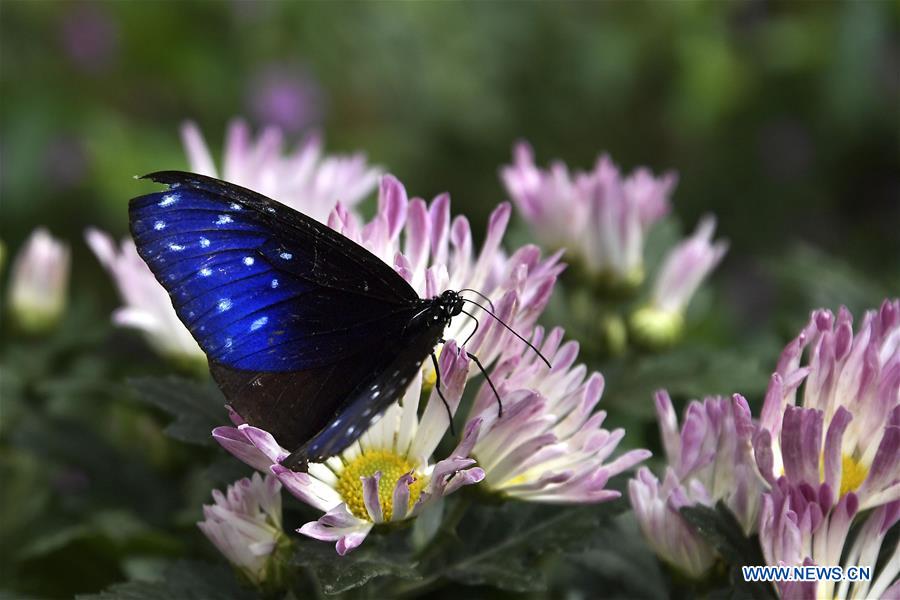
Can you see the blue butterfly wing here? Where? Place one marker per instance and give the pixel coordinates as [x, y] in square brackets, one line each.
[296, 319]
[260, 286]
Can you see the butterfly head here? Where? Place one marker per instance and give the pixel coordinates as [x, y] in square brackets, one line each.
[449, 304]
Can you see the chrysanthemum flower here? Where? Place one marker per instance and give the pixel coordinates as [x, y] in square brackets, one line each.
[147, 305]
[709, 460]
[386, 475]
[660, 322]
[435, 254]
[800, 524]
[304, 179]
[245, 525]
[549, 446]
[846, 430]
[599, 217]
[39, 281]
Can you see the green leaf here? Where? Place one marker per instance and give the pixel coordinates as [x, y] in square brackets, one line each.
[184, 580]
[621, 560]
[687, 372]
[812, 279]
[197, 407]
[724, 533]
[505, 546]
[379, 556]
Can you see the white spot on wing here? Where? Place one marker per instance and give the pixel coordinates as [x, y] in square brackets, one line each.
[223, 220]
[235, 206]
[248, 260]
[168, 200]
[176, 247]
[286, 255]
[258, 323]
[274, 283]
[204, 243]
[205, 272]
[224, 304]
[159, 225]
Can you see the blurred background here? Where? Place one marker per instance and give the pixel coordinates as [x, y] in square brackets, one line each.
[781, 118]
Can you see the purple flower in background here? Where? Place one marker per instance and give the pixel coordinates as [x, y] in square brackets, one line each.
[147, 305]
[599, 217]
[386, 475]
[39, 281]
[709, 460]
[288, 98]
[304, 179]
[843, 429]
[660, 322]
[549, 446]
[90, 37]
[244, 523]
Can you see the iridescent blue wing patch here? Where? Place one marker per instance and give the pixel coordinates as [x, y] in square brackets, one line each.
[260, 286]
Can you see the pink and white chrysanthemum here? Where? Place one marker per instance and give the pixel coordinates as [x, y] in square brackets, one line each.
[709, 460]
[435, 253]
[304, 179]
[549, 446]
[39, 281]
[843, 430]
[386, 475]
[800, 524]
[660, 322]
[244, 523]
[598, 216]
[147, 305]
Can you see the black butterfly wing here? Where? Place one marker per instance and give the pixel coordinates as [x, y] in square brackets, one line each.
[293, 316]
[372, 397]
[297, 405]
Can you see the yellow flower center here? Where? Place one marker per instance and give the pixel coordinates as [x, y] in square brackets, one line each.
[392, 467]
[853, 473]
[429, 375]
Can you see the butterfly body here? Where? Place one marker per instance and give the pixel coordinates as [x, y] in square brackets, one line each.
[310, 336]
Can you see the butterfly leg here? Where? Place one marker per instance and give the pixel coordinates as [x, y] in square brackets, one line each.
[437, 386]
[490, 383]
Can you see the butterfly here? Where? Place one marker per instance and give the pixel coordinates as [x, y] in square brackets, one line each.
[309, 335]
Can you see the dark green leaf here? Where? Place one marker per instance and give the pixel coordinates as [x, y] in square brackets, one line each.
[197, 407]
[688, 372]
[723, 532]
[812, 279]
[504, 546]
[184, 580]
[377, 557]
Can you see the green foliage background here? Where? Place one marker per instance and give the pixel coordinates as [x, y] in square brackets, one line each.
[781, 119]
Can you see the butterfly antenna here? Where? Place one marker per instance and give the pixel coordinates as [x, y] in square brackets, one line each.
[490, 383]
[437, 386]
[471, 335]
[491, 304]
[513, 331]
